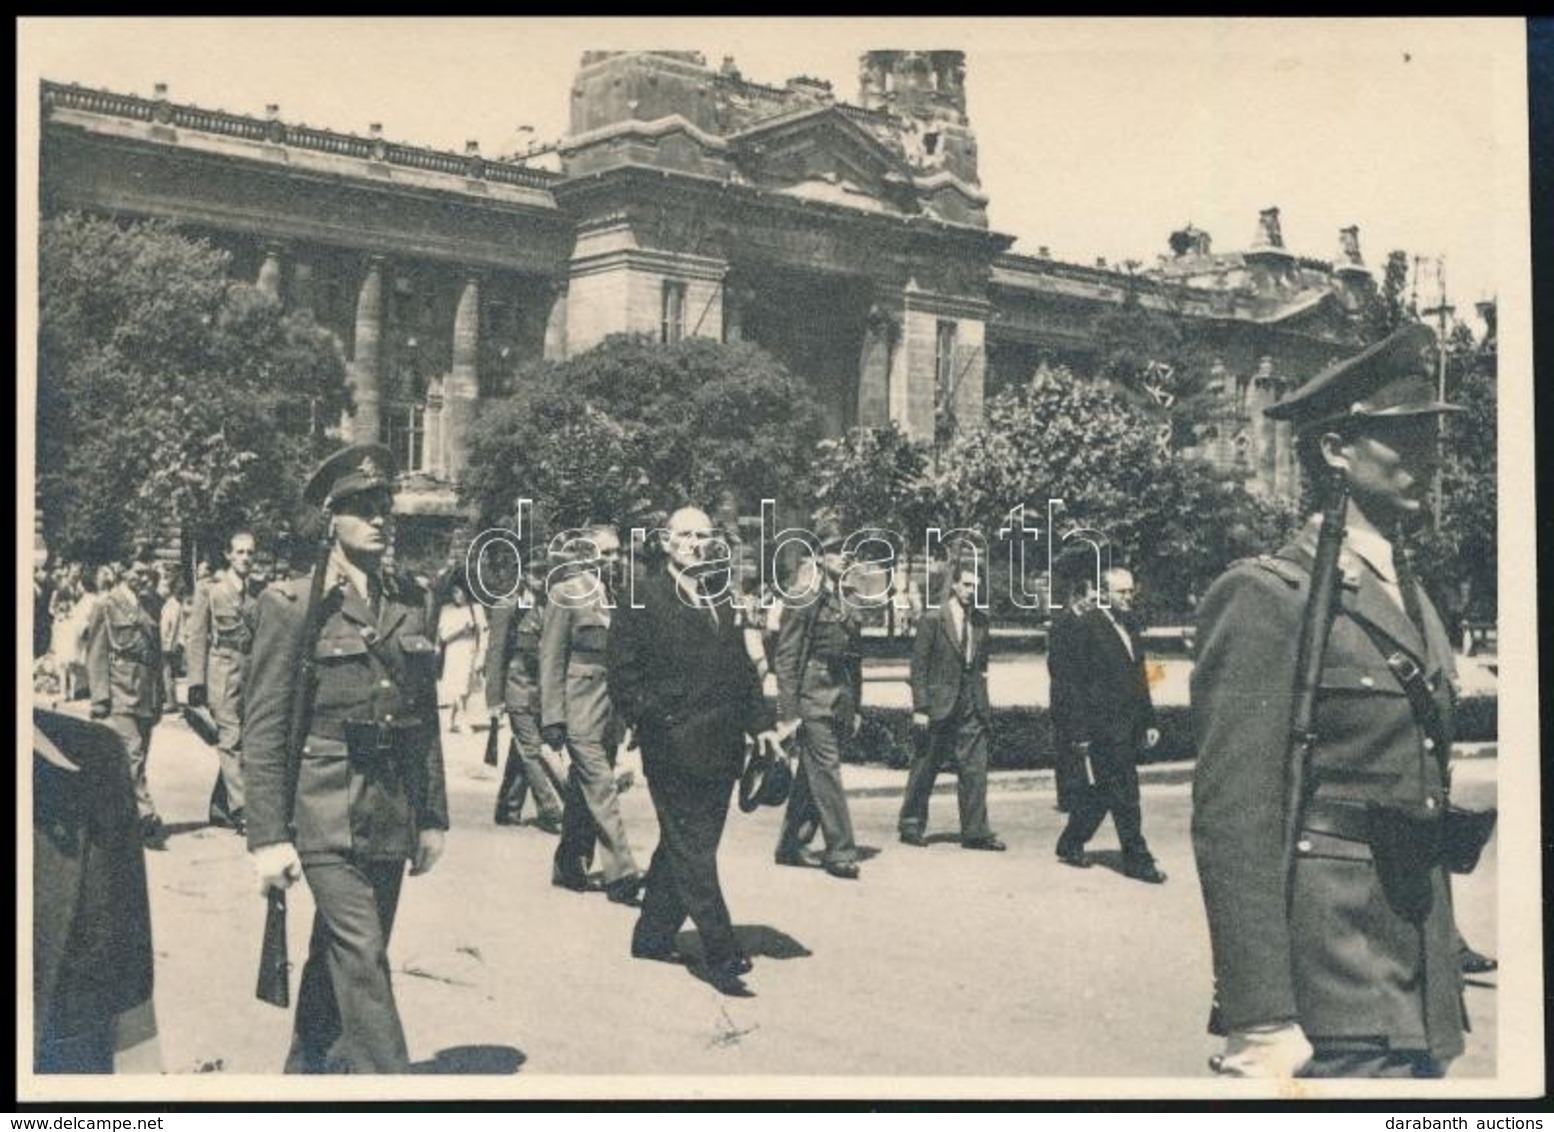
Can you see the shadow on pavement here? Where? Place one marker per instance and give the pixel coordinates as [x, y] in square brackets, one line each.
[868, 852]
[491, 1061]
[174, 829]
[759, 941]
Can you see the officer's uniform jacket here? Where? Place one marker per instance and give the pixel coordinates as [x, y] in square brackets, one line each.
[370, 776]
[513, 658]
[1368, 950]
[221, 635]
[819, 663]
[574, 687]
[946, 674]
[124, 657]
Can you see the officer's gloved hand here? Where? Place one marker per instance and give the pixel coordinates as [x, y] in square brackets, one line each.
[197, 695]
[1275, 1050]
[554, 735]
[428, 849]
[278, 866]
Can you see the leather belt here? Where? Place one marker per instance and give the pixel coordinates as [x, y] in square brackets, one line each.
[378, 735]
[1348, 820]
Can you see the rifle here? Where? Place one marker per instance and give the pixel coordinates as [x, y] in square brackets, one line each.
[1314, 629]
[273, 986]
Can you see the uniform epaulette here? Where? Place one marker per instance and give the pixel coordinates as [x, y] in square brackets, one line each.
[1291, 574]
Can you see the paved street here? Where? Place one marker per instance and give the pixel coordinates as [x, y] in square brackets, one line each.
[939, 962]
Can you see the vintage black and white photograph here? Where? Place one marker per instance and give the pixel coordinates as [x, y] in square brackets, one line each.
[776, 558]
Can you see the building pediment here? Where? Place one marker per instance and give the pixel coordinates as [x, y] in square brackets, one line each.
[820, 147]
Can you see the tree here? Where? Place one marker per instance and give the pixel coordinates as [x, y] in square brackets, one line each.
[1175, 519]
[634, 425]
[1388, 307]
[1160, 364]
[168, 396]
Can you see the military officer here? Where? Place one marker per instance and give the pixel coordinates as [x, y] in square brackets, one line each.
[369, 791]
[577, 718]
[1355, 966]
[819, 686]
[220, 635]
[124, 674]
[513, 683]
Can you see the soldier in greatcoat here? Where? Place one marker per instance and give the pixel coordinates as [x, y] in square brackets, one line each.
[369, 793]
[1352, 971]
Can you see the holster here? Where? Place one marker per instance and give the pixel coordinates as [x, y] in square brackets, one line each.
[1465, 834]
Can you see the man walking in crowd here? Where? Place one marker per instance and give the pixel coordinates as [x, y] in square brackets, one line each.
[1350, 958]
[576, 717]
[513, 684]
[220, 635]
[366, 791]
[170, 627]
[1112, 720]
[681, 674]
[819, 687]
[950, 712]
[124, 676]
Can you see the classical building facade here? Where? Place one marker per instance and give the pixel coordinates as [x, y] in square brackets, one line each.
[850, 239]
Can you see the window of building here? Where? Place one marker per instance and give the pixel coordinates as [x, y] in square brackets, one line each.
[672, 322]
[406, 427]
[944, 360]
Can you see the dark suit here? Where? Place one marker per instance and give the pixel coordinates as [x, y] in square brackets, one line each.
[1111, 712]
[1065, 703]
[690, 690]
[513, 682]
[369, 779]
[949, 685]
[1366, 956]
[820, 681]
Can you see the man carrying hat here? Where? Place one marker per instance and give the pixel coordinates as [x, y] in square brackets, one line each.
[681, 677]
[369, 792]
[1351, 970]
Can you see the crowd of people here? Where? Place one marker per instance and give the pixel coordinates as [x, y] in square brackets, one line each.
[327, 693]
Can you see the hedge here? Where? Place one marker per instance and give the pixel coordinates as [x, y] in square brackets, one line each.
[1022, 736]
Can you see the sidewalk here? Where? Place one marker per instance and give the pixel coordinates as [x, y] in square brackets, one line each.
[871, 780]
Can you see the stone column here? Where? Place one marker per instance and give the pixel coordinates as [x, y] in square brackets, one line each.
[881, 335]
[463, 386]
[302, 286]
[435, 458]
[556, 324]
[368, 425]
[269, 280]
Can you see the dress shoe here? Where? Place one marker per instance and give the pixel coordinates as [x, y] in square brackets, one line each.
[913, 837]
[627, 890]
[843, 870]
[990, 844]
[723, 978]
[800, 858]
[1078, 858]
[1474, 963]
[550, 825]
[574, 881]
[506, 819]
[1144, 871]
[240, 824]
[658, 954]
[153, 834]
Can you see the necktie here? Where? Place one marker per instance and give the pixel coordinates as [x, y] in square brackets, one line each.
[1408, 584]
[706, 601]
[965, 634]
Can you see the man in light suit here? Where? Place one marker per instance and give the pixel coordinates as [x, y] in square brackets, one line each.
[577, 717]
[683, 679]
[221, 633]
[512, 682]
[1113, 721]
[950, 712]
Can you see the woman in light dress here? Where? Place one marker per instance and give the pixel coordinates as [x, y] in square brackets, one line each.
[461, 630]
